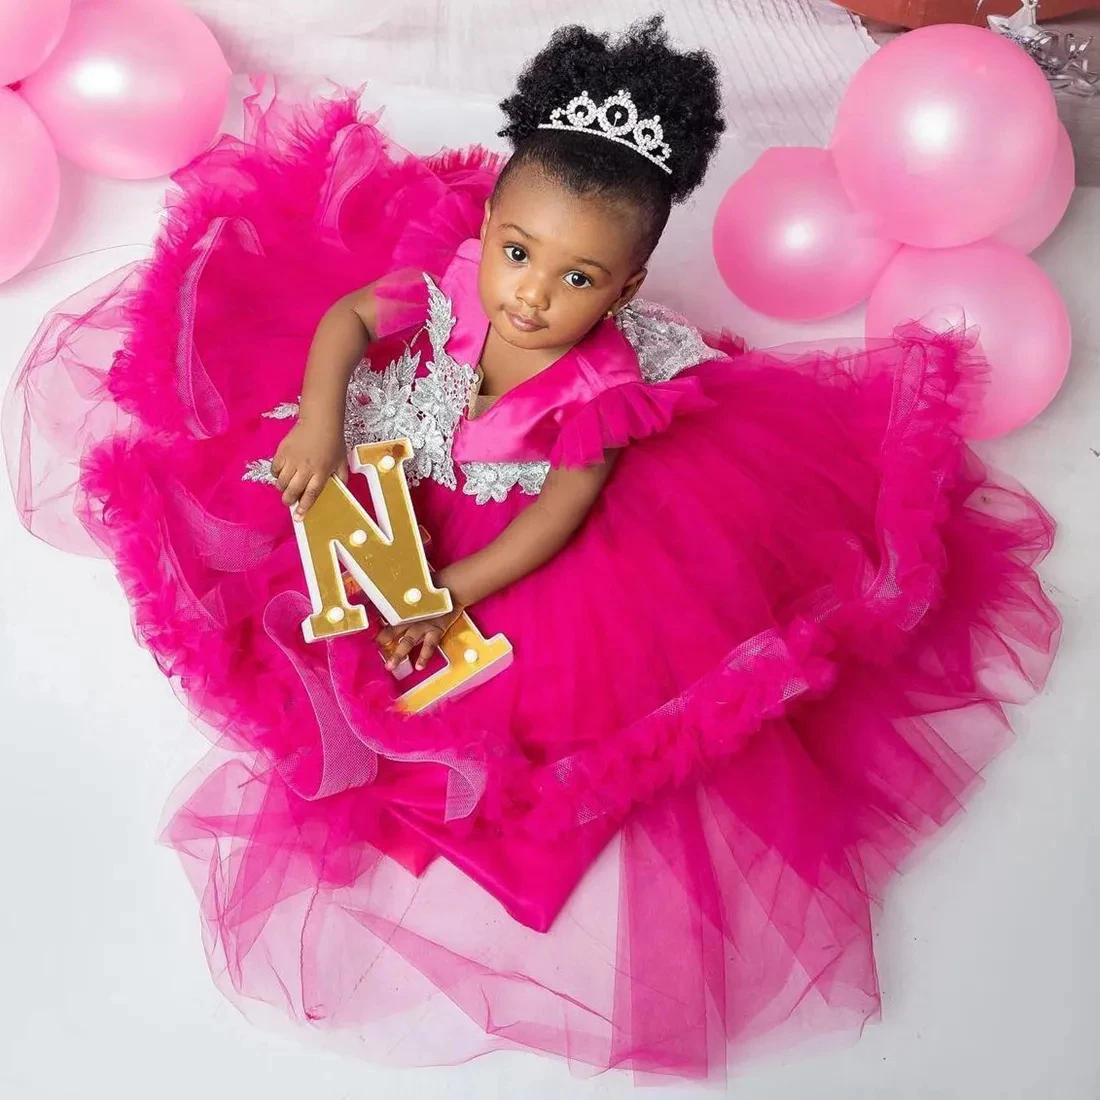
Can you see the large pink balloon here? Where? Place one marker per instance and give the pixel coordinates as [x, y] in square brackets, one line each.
[30, 184]
[945, 134]
[29, 29]
[788, 242]
[135, 88]
[1021, 319]
[1046, 208]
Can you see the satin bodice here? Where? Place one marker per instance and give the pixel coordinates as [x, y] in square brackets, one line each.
[524, 424]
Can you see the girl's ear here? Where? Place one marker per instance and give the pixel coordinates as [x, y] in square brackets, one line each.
[485, 219]
[630, 288]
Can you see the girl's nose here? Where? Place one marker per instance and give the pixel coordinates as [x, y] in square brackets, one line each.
[532, 293]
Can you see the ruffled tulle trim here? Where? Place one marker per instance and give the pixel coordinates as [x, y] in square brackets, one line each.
[691, 736]
[428, 245]
[884, 597]
[320, 151]
[302, 185]
[215, 194]
[622, 415]
[871, 611]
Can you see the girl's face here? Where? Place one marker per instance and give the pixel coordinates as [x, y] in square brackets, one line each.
[553, 263]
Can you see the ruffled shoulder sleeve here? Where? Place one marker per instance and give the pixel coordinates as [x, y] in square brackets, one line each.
[642, 396]
[622, 415]
[441, 206]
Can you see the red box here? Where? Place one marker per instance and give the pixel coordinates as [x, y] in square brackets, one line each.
[922, 13]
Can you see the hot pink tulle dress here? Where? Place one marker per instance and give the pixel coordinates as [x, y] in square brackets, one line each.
[772, 661]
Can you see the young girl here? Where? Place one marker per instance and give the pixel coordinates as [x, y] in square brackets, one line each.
[765, 609]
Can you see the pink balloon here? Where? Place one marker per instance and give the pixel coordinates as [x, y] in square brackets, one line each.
[1021, 319]
[945, 134]
[135, 88]
[788, 242]
[1046, 208]
[29, 29]
[30, 184]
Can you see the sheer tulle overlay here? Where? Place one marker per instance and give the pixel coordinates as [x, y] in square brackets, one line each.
[775, 658]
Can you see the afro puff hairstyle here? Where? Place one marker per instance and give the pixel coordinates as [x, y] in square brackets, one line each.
[681, 87]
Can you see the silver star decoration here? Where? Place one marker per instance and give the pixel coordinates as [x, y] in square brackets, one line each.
[1062, 57]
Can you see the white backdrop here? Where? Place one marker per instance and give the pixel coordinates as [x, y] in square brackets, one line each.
[784, 62]
[988, 949]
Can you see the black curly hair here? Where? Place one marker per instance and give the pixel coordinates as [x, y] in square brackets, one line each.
[680, 87]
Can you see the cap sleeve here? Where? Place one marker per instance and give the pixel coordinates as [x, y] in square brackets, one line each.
[647, 396]
[622, 415]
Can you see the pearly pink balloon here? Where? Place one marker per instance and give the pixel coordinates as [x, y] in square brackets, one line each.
[788, 242]
[945, 134]
[1022, 322]
[135, 88]
[29, 29]
[30, 184]
[1046, 208]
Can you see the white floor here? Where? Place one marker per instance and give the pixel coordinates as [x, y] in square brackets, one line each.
[989, 949]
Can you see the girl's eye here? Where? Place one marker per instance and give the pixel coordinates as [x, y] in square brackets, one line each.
[515, 253]
[578, 280]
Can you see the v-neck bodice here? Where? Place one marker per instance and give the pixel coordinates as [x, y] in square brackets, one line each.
[523, 424]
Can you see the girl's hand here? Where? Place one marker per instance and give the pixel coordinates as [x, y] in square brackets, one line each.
[398, 642]
[309, 455]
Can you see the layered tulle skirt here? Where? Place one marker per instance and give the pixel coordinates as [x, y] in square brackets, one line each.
[773, 660]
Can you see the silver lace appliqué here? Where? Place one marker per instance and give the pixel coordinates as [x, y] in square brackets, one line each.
[259, 471]
[395, 403]
[486, 481]
[286, 411]
[665, 343]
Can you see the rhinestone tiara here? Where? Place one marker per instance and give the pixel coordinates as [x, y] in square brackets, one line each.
[616, 119]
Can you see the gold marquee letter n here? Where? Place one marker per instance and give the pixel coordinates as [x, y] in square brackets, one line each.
[386, 558]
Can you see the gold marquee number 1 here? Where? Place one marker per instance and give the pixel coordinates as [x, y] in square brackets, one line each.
[385, 556]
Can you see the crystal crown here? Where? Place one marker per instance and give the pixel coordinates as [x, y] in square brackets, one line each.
[616, 119]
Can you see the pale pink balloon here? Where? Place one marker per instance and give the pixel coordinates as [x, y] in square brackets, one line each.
[788, 242]
[29, 29]
[30, 184]
[945, 134]
[135, 88]
[1022, 322]
[1046, 208]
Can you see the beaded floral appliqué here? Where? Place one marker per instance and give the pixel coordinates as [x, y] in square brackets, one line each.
[486, 481]
[664, 342]
[395, 403]
[665, 345]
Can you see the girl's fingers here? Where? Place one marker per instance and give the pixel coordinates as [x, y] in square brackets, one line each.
[313, 491]
[427, 649]
[295, 488]
[405, 645]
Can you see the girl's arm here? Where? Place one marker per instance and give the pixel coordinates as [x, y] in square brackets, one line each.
[314, 449]
[528, 542]
[532, 538]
